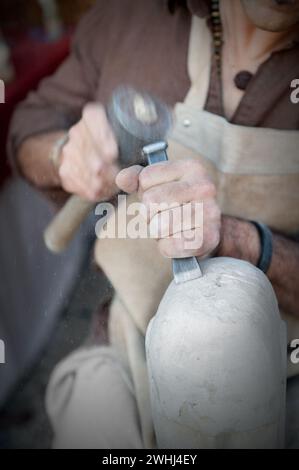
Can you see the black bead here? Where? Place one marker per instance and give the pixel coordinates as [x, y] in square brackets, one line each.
[242, 79]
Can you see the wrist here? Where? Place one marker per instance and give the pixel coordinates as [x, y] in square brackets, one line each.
[55, 155]
[239, 239]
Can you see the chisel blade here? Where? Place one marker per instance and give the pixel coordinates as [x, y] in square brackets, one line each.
[185, 269]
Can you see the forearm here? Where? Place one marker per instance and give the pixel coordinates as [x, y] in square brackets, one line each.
[240, 239]
[34, 160]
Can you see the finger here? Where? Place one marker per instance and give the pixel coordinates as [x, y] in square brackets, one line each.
[128, 179]
[189, 243]
[80, 179]
[96, 123]
[174, 221]
[109, 185]
[95, 120]
[72, 184]
[174, 194]
[102, 186]
[71, 172]
[167, 172]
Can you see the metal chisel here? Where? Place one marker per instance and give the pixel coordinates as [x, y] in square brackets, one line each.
[184, 269]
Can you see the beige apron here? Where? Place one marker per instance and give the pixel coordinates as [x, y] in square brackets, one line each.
[256, 172]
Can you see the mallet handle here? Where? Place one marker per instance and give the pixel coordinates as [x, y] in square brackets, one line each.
[65, 224]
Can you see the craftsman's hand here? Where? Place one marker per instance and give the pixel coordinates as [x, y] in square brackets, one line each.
[177, 183]
[88, 160]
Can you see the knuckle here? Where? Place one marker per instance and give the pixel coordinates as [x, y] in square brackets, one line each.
[110, 150]
[193, 165]
[212, 210]
[165, 248]
[93, 194]
[164, 224]
[113, 148]
[66, 153]
[216, 212]
[62, 171]
[93, 190]
[204, 190]
[146, 199]
[73, 132]
[90, 109]
[214, 240]
[86, 111]
[210, 189]
[144, 178]
[67, 185]
[196, 190]
[97, 188]
[150, 198]
[97, 166]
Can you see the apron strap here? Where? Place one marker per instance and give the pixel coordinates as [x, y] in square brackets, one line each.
[199, 62]
[239, 150]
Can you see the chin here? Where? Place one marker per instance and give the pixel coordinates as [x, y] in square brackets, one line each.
[275, 26]
[271, 15]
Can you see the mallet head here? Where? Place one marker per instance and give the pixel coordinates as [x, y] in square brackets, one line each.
[137, 119]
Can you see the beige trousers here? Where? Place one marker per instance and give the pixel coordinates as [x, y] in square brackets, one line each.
[92, 404]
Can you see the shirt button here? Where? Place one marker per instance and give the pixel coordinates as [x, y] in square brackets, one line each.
[186, 123]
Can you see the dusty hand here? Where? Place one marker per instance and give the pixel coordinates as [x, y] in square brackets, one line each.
[178, 184]
[89, 159]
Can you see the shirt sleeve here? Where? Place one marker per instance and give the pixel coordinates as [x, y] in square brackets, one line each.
[57, 103]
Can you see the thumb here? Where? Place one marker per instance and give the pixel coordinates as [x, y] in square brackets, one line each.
[128, 179]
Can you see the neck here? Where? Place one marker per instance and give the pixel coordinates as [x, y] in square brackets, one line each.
[242, 35]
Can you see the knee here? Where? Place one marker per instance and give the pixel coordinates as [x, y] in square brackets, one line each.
[90, 402]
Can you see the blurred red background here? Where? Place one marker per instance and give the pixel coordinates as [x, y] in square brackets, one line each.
[33, 55]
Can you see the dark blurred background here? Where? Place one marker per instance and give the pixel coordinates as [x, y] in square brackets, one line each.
[46, 301]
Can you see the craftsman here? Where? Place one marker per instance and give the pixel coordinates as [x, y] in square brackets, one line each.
[228, 65]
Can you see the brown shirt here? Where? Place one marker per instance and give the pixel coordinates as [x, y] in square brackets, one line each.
[144, 45]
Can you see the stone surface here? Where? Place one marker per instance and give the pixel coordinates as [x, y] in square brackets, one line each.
[216, 361]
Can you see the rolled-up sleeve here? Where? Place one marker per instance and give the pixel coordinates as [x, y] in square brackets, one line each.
[57, 103]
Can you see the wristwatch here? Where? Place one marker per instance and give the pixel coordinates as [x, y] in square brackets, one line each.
[55, 153]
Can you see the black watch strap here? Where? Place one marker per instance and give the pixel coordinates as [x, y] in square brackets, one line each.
[266, 238]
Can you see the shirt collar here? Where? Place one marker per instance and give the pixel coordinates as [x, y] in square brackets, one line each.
[200, 8]
[196, 7]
